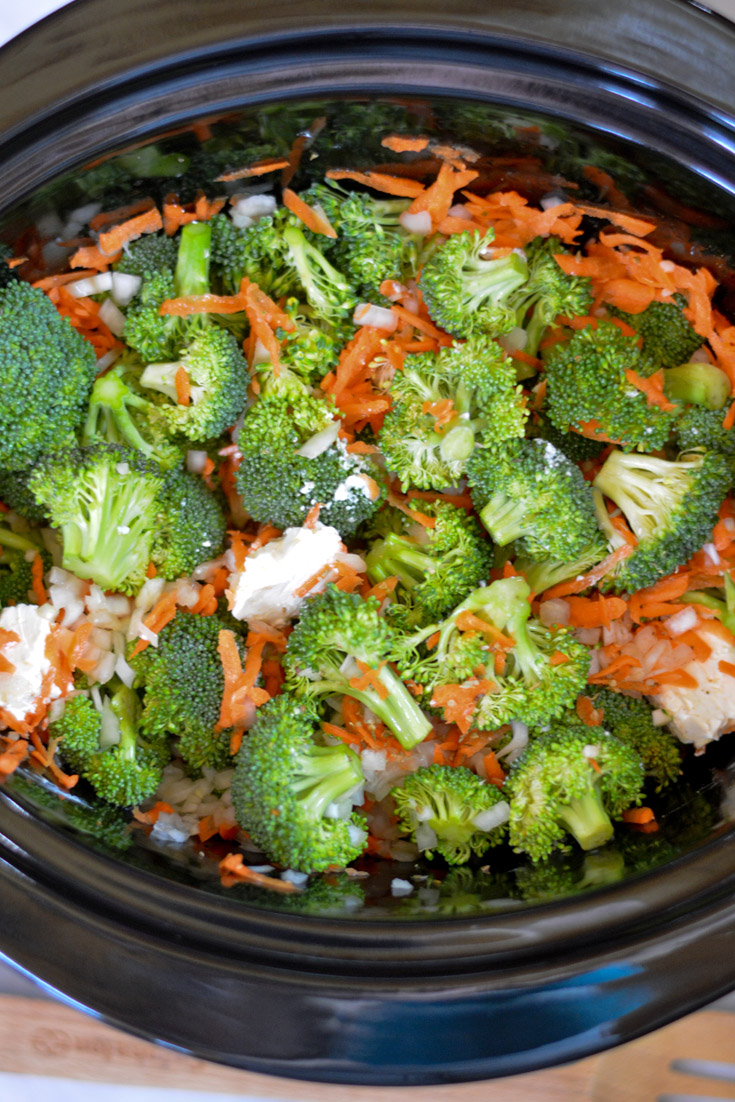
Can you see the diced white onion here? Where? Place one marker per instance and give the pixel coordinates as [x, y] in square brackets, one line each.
[107, 360]
[515, 340]
[659, 718]
[320, 441]
[590, 637]
[712, 553]
[196, 461]
[112, 316]
[124, 287]
[518, 742]
[493, 816]
[459, 210]
[110, 732]
[105, 668]
[553, 199]
[90, 285]
[124, 671]
[700, 356]
[399, 887]
[261, 355]
[590, 751]
[555, 611]
[377, 317]
[147, 635]
[666, 265]
[247, 209]
[357, 835]
[298, 879]
[425, 837]
[420, 223]
[682, 621]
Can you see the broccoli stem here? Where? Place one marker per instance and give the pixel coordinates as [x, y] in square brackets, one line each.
[725, 609]
[110, 400]
[504, 519]
[8, 538]
[458, 443]
[586, 819]
[493, 278]
[399, 558]
[397, 710]
[309, 262]
[124, 704]
[699, 384]
[324, 775]
[192, 263]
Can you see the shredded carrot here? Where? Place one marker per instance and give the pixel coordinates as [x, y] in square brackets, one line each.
[314, 219]
[588, 613]
[638, 815]
[183, 386]
[468, 621]
[729, 420]
[494, 770]
[258, 168]
[369, 679]
[188, 305]
[458, 701]
[652, 387]
[233, 870]
[312, 517]
[39, 590]
[681, 679]
[578, 585]
[12, 755]
[727, 667]
[111, 241]
[391, 185]
[422, 324]
[439, 196]
[400, 143]
[585, 709]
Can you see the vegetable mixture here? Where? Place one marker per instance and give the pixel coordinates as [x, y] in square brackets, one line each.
[394, 519]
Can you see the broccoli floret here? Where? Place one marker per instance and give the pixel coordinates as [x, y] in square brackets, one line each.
[122, 766]
[17, 554]
[549, 572]
[454, 804]
[341, 645]
[92, 817]
[278, 485]
[571, 780]
[284, 785]
[255, 253]
[183, 682]
[467, 293]
[629, 719]
[702, 428]
[117, 511]
[46, 374]
[16, 493]
[436, 568]
[160, 338]
[671, 508]
[119, 414]
[528, 491]
[543, 671]
[191, 526]
[372, 245]
[446, 404]
[588, 389]
[150, 254]
[548, 293]
[217, 376]
[576, 447]
[559, 875]
[327, 290]
[312, 348]
[668, 338]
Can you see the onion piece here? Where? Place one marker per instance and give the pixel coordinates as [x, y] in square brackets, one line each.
[555, 611]
[513, 341]
[459, 210]
[493, 816]
[112, 316]
[552, 199]
[196, 461]
[682, 621]
[320, 441]
[378, 317]
[90, 285]
[419, 224]
[124, 287]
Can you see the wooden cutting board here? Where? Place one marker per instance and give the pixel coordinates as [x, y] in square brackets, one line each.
[44, 1038]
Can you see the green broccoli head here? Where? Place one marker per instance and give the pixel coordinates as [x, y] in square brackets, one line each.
[444, 405]
[572, 780]
[542, 672]
[46, 373]
[218, 380]
[182, 682]
[701, 428]
[17, 555]
[16, 493]
[587, 383]
[97, 820]
[280, 486]
[576, 447]
[327, 290]
[286, 785]
[528, 491]
[342, 645]
[256, 253]
[157, 337]
[119, 414]
[150, 254]
[561, 875]
[191, 526]
[467, 291]
[436, 568]
[548, 292]
[105, 501]
[108, 748]
[629, 719]
[671, 507]
[451, 811]
[667, 337]
[549, 572]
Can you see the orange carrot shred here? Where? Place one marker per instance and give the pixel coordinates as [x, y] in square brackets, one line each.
[232, 869]
[259, 168]
[392, 185]
[638, 815]
[313, 218]
[729, 420]
[400, 143]
[183, 386]
[39, 590]
[111, 241]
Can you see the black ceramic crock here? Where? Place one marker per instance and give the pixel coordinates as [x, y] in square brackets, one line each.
[149, 942]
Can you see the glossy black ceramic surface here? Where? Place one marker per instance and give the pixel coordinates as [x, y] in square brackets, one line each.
[387, 993]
